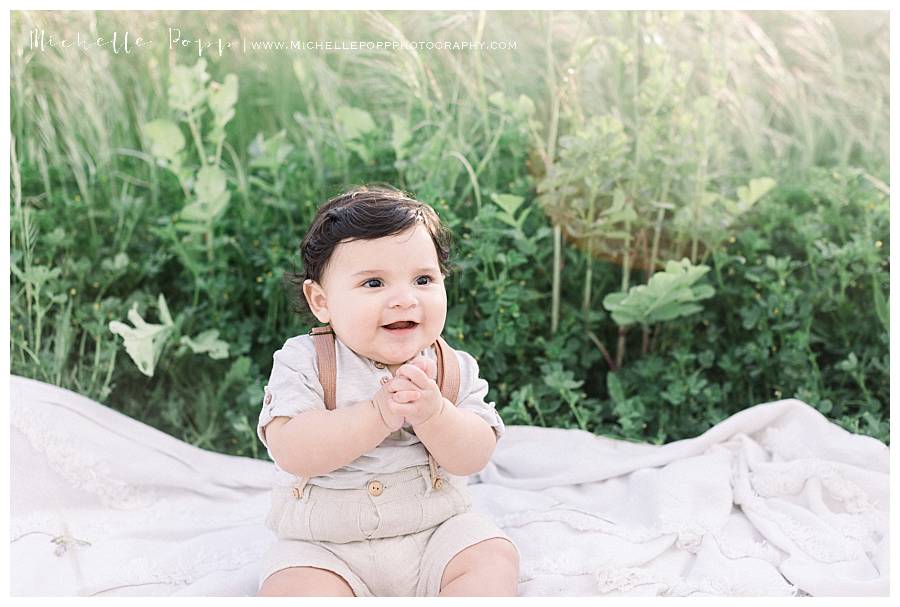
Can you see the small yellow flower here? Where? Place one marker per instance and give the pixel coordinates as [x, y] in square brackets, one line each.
[259, 279]
[72, 291]
[731, 240]
[878, 244]
[96, 306]
[777, 393]
[775, 312]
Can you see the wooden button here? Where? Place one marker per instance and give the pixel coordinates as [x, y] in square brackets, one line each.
[375, 488]
[379, 365]
[296, 492]
[385, 380]
[438, 484]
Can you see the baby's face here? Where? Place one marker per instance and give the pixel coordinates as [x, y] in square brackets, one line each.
[372, 283]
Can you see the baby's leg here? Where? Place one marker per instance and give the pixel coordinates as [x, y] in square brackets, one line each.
[488, 568]
[305, 581]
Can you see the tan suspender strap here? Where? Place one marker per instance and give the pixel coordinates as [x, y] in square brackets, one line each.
[448, 370]
[323, 339]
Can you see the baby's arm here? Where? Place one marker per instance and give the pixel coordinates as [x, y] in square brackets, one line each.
[459, 440]
[317, 442]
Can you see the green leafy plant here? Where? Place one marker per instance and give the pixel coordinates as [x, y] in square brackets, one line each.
[742, 152]
[667, 295]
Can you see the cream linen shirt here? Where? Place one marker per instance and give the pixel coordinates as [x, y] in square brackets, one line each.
[294, 387]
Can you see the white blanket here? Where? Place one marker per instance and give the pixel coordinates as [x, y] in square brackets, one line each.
[775, 500]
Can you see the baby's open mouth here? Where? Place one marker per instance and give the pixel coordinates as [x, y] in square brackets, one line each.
[403, 325]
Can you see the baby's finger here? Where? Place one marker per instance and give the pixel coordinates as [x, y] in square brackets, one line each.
[401, 409]
[414, 374]
[401, 383]
[431, 371]
[406, 396]
[428, 366]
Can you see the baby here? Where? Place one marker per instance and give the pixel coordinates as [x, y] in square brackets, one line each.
[371, 496]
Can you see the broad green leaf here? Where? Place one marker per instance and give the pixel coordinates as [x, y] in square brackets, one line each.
[613, 299]
[187, 86]
[222, 98]
[117, 263]
[707, 199]
[668, 295]
[354, 122]
[524, 106]
[614, 387]
[361, 151]
[400, 136]
[36, 275]
[165, 138]
[269, 153]
[209, 342]
[757, 188]
[498, 98]
[703, 292]
[145, 341]
[508, 202]
[212, 196]
[211, 183]
[882, 310]
[190, 226]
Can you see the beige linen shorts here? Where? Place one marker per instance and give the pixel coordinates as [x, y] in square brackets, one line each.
[393, 540]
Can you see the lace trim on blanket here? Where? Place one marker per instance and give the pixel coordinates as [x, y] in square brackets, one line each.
[624, 579]
[67, 458]
[789, 478]
[134, 509]
[689, 533]
[183, 569]
[739, 548]
[827, 548]
[179, 571]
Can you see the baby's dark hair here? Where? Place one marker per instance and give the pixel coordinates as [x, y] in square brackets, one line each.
[361, 213]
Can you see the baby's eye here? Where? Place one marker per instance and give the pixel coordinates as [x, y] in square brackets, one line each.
[430, 280]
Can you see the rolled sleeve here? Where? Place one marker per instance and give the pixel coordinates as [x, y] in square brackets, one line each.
[473, 391]
[293, 385]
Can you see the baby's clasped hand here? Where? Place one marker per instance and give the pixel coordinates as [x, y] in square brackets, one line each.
[412, 396]
[419, 375]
